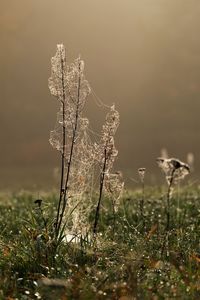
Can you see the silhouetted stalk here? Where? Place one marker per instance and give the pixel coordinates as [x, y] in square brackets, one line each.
[102, 177]
[71, 153]
[114, 215]
[107, 155]
[174, 170]
[166, 238]
[141, 172]
[168, 199]
[142, 205]
[63, 150]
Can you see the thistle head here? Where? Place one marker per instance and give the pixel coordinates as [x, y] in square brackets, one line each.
[174, 169]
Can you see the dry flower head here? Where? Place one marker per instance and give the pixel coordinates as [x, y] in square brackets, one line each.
[174, 169]
[141, 172]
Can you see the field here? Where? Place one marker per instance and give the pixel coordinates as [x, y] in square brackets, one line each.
[131, 257]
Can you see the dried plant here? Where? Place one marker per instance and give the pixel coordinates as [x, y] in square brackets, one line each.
[106, 154]
[79, 155]
[68, 85]
[174, 171]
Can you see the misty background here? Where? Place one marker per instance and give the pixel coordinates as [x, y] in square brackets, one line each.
[142, 55]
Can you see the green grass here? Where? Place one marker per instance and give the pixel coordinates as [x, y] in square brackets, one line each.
[128, 261]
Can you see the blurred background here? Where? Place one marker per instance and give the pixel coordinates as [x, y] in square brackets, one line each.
[142, 55]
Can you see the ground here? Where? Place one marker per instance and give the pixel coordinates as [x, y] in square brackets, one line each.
[132, 256]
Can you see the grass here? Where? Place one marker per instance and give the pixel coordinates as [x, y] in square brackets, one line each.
[129, 260]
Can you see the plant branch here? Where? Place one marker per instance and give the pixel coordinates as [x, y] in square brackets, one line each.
[63, 148]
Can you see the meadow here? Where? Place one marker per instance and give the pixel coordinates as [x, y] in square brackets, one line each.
[92, 238]
[129, 258]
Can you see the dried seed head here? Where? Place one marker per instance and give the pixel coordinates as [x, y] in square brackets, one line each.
[141, 172]
[38, 202]
[173, 168]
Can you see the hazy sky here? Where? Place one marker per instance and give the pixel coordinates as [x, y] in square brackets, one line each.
[143, 55]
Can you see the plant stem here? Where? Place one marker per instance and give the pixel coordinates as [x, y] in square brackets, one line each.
[114, 215]
[63, 148]
[142, 205]
[102, 177]
[168, 198]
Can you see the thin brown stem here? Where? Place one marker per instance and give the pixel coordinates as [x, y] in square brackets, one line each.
[168, 198]
[102, 177]
[114, 215]
[142, 206]
[63, 148]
